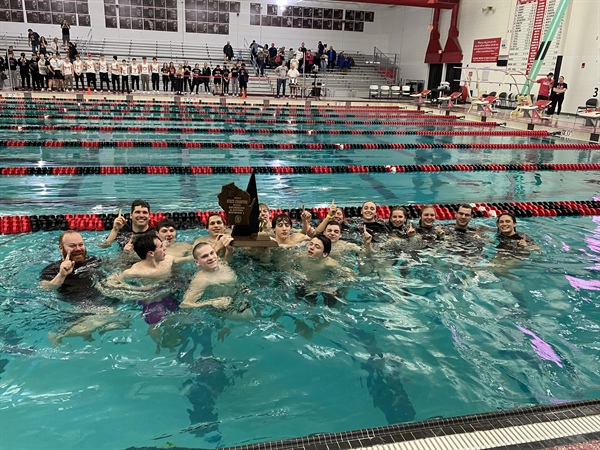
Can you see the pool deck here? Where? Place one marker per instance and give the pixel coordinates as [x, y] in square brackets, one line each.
[568, 426]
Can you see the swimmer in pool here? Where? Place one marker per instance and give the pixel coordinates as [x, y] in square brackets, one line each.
[461, 227]
[425, 229]
[333, 231]
[123, 231]
[166, 231]
[398, 225]
[335, 214]
[155, 263]
[217, 234]
[508, 238]
[376, 228]
[214, 275]
[264, 218]
[74, 277]
[317, 270]
[282, 226]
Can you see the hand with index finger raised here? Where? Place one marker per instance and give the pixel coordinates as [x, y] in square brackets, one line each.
[119, 222]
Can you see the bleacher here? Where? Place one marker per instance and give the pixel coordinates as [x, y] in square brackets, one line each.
[354, 83]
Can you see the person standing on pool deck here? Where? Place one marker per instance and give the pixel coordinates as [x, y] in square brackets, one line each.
[558, 96]
[103, 71]
[122, 231]
[546, 84]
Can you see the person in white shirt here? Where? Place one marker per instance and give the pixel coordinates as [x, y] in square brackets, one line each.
[78, 69]
[135, 75]
[155, 75]
[124, 76]
[90, 72]
[145, 71]
[103, 71]
[56, 66]
[293, 75]
[68, 74]
[115, 71]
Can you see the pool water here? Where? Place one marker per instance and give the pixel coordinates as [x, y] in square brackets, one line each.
[433, 332]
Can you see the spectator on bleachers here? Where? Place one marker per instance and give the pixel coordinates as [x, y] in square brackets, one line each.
[172, 73]
[196, 74]
[78, 72]
[179, 80]
[340, 60]
[253, 50]
[11, 65]
[240, 56]
[72, 51]
[308, 61]
[33, 39]
[165, 77]
[66, 32]
[216, 73]
[244, 77]
[226, 74]
[187, 76]
[35, 72]
[331, 58]
[227, 52]
[272, 55]
[235, 82]
[43, 47]
[23, 64]
[323, 62]
[124, 77]
[206, 73]
[260, 62]
[43, 71]
[54, 46]
[320, 49]
[300, 58]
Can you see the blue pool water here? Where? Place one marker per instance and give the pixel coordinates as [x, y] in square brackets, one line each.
[435, 333]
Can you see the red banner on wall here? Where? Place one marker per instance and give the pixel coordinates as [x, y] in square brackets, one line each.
[486, 50]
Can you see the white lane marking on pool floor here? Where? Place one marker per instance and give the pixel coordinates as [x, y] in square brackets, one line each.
[499, 437]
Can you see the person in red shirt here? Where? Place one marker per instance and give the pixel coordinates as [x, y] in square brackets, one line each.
[546, 85]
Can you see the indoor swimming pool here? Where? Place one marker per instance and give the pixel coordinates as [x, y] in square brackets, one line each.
[418, 332]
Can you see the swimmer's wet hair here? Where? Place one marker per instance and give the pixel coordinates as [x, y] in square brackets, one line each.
[145, 243]
[215, 215]
[507, 213]
[424, 208]
[139, 202]
[397, 208]
[281, 218]
[466, 206]
[165, 223]
[326, 243]
[199, 245]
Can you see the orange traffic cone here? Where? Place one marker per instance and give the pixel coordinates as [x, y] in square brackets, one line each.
[89, 90]
[243, 95]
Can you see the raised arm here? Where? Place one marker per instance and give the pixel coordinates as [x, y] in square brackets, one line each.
[118, 224]
[65, 269]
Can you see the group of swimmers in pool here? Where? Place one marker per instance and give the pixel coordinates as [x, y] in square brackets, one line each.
[153, 253]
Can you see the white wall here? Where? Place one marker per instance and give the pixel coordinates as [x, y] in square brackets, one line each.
[374, 34]
[580, 41]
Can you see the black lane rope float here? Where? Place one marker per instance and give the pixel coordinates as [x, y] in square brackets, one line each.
[209, 170]
[196, 219]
